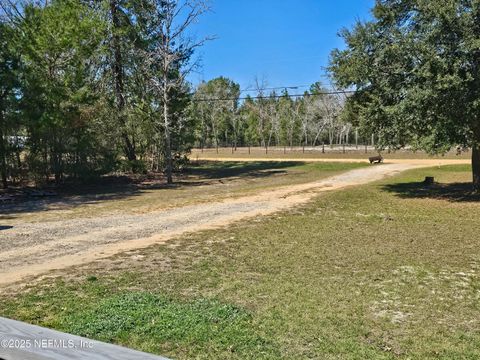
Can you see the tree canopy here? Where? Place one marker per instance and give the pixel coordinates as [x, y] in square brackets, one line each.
[93, 87]
[416, 71]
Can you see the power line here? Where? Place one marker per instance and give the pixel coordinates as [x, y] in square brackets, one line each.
[344, 92]
[325, 76]
[293, 87]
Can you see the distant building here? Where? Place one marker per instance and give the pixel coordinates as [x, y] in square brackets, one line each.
[19, 141]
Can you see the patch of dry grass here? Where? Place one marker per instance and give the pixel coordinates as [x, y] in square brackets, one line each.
[335, 153]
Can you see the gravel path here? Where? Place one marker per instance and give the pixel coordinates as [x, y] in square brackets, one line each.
[34, 248]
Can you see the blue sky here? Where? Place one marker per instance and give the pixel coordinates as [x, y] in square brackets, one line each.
[286, 41]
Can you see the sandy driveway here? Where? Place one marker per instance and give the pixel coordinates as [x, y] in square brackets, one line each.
[34, 248]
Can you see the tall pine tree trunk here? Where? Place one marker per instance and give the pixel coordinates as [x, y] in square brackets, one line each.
[476, 167]
[3, 158]
[118, 75]
[168, 145]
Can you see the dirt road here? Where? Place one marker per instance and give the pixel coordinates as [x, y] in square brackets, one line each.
[31, 249]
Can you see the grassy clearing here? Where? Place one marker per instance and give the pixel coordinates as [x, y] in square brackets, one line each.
[383, 271]
[202, 182]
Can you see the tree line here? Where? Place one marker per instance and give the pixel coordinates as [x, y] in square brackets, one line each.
[267, 119]
[91, 87]
[88, 87]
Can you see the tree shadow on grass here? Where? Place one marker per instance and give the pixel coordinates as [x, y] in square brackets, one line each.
[111, 188]
[228, 169]
[455, 192]
[64, 198]
[206, 172]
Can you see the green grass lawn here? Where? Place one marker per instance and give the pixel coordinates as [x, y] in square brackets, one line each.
[389, 270]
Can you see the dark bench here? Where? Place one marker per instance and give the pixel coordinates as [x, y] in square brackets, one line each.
[375, 159]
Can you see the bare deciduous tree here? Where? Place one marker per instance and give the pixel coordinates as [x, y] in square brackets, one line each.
[168, 60]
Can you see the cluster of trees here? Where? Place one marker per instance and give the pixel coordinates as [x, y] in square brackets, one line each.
[416, 71]
[91, 86]
[87, 87]
[224, 118]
